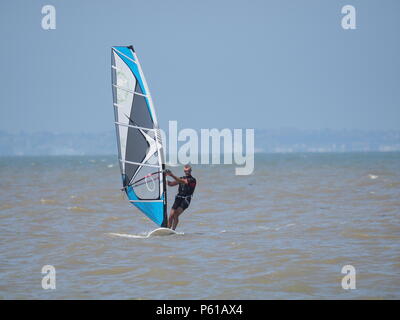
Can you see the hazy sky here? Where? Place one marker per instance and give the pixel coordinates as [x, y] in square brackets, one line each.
[235, 64]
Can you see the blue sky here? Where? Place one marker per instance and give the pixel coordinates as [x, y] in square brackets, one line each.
[235, 64]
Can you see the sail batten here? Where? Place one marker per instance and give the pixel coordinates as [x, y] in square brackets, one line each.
[141, 164]
[130, 91]
[140, 148]
[130, 126]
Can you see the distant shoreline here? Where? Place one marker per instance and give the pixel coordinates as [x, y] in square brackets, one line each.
[258, 154]
[269, 141]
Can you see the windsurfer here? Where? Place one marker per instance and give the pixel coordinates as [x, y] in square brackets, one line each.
[187, 184]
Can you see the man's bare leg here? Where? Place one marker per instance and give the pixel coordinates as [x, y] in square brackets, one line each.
[171, 218]
[175, 220]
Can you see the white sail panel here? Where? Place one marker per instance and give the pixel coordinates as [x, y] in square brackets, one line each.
[124, 78]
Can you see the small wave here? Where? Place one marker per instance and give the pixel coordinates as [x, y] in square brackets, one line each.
[5, 206]
[124, 235]
[373, 177]
[109, 219]
[110, 166]
[47, 201]
[276, 228]
[110, 271]
[80, 209]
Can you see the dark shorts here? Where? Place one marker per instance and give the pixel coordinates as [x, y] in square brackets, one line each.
[181, 202]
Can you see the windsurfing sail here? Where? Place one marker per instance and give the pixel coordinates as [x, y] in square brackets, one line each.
[140, 148]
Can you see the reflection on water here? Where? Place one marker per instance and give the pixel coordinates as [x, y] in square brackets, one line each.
[284, 232]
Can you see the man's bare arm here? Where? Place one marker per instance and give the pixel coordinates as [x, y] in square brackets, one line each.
[178, 180]
[172, 183]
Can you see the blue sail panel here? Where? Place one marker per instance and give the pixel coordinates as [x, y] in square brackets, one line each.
[153, 210]
[126, 51]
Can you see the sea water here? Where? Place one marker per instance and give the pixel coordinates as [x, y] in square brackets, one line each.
[284, 232]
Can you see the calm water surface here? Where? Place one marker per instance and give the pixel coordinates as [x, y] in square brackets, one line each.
[284, 232]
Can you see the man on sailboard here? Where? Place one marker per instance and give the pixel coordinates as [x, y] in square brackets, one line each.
[187, 184]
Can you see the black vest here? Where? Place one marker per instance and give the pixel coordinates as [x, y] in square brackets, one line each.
[187, 189]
